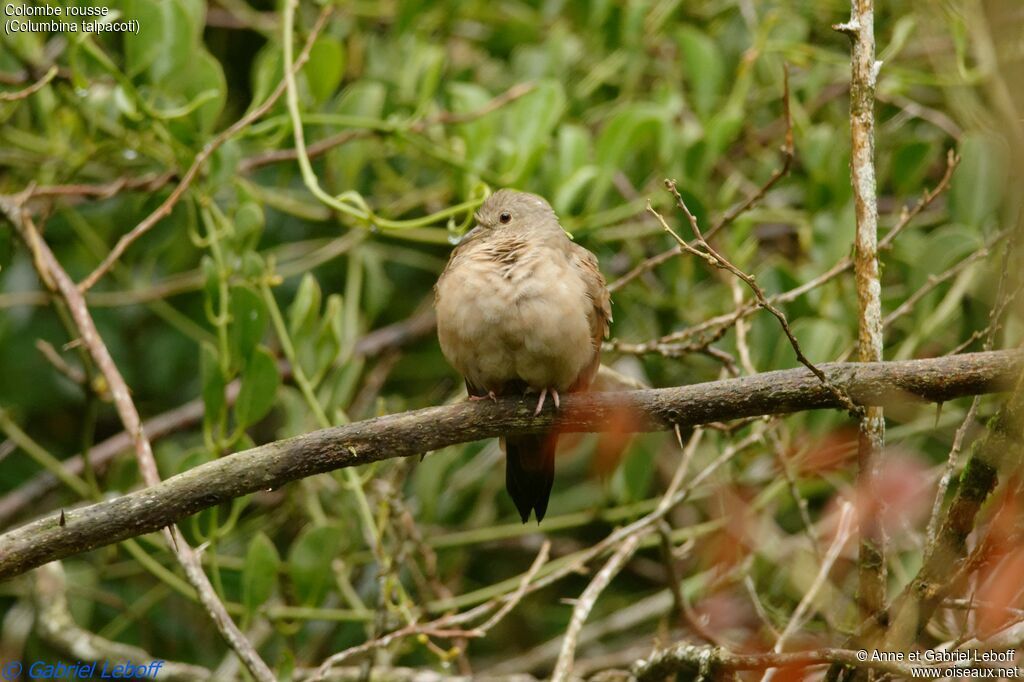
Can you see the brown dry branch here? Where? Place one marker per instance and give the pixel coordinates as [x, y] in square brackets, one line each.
[796, 620]
[714, 258]
[622, 554]
[736, 211]
[1003, 298]
[946, 564]
[934, 281]
[413, 433]
[100, 455]
[945, 555]
[864, 76]
[401, 674]
[56, 626]
[692, 662]
[200, 160]
[30, 90]
[292, 259]
[441, 627]
[73, 374]
[57, 279]
[150, 182]
[716, 327]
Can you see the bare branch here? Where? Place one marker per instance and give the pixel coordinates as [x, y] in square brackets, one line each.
[51, 272]
[714, 328]
[703, 662]
[714, 258]
[373, 343]
[57, 627]
[861, 31]
[419, 431]
[30, 90]
[736, 211]
[199, 161]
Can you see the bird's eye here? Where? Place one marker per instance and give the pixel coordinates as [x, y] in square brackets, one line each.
[505, 217]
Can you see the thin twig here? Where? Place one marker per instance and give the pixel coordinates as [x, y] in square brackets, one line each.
[73, 374]
[149, 182]
[622, 554]
[56, 626]
[796, 621]
[586, 601]
[323, 146]
[52, 273]
[437, 627]
[689, 662]
[35, 87]
[736, 211]
[200, 160]
[715, 327]
[1002, 299]
[714, 258]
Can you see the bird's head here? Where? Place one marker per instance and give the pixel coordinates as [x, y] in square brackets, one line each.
[508, 210]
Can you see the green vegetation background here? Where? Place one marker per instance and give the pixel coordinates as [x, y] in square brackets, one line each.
[624, 95]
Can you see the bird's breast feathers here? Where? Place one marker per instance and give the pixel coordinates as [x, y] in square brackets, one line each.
[509, 312]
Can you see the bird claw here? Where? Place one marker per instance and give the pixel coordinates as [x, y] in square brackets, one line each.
[543, 396]
[490, 396]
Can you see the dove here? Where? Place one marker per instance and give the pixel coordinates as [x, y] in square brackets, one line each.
[521, 308]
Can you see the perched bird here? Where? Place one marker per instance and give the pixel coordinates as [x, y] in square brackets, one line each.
[522, 308]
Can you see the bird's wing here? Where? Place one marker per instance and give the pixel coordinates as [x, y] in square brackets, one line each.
[599, 310]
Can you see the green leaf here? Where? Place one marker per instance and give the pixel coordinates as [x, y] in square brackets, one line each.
[267, 72]
[348, 162]
[309, 562]
[249, 221]
[213, 384]
[329, 336]
[260, 380]
[379, 289]
[819, 339]
[211, 283]
[568, 194]
[305, 308]
[164, 44]
[632, 479]
[627, 130]
[479, 135]
[248, 322]
[325, 68]
[980, 181]
[259, 574]
[574, 145]
[431, 67]
[202, 79]
[705, 69]
[910, 163]
[531, 120]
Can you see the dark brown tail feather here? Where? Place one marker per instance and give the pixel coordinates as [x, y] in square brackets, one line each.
[530, 471]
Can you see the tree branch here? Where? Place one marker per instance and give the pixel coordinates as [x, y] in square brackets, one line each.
[411, 433]
[861, 29]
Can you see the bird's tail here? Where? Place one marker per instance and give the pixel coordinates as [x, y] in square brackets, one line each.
[530, 471]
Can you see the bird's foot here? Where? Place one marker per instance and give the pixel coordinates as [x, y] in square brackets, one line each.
[543, 396]
[490, 396]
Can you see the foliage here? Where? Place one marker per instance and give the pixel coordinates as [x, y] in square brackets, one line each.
[250, 270]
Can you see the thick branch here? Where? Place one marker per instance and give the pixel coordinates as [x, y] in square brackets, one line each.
[861, 29]
[412, 433]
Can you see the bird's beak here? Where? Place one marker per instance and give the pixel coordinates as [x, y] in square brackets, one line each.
[470, 234]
